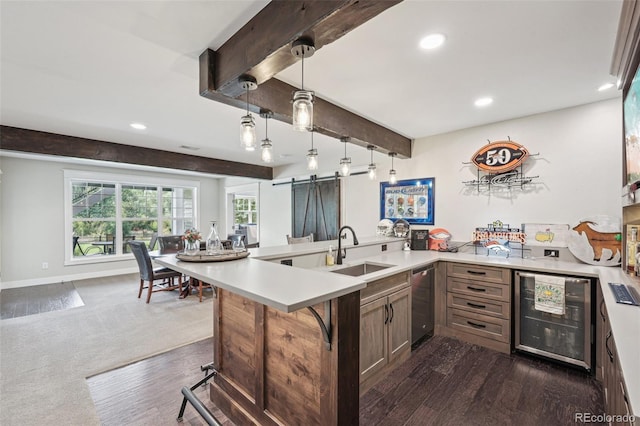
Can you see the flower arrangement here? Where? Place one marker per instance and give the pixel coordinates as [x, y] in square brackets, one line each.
[191, 235]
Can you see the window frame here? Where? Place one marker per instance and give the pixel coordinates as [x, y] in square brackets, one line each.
[119, 180]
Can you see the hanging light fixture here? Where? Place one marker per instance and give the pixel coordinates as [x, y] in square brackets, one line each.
[345, 162]
[247, 125]
[392, 173]
[312, 156]
[303, 99]
[266, 145]
[371, 170]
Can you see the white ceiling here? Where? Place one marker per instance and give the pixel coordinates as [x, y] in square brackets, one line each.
[89, 68]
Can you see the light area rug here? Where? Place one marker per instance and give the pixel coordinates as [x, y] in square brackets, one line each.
[45, 358]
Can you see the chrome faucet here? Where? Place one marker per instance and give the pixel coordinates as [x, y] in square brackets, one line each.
[355, 243]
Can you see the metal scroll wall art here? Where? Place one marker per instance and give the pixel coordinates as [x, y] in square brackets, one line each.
[500, 164]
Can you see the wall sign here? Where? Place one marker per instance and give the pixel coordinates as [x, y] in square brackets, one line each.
[497, 238]
[500, 156]
[500, 164]
[411, 200]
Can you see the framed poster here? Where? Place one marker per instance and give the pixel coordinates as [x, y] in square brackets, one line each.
[411, 200]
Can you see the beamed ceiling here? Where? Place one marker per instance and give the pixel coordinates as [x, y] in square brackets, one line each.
[87, 69]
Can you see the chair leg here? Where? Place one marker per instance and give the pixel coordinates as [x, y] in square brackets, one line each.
[141, 287]
[150, 290]
[201, 287]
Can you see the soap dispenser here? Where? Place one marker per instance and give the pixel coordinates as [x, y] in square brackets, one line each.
[330, 256]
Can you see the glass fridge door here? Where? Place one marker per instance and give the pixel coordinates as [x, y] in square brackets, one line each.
[564, 337]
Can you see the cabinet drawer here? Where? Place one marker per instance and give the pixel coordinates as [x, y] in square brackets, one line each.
[482, 273]
[480, 325]
[479, 288]
[479, 305]
[383, 287]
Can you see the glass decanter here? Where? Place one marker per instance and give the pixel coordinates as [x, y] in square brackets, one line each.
[214, 246]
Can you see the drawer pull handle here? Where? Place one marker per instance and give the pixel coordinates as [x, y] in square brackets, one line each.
[475, 305]
[476, 325]
[391, 318]
[604, 319]
[476, 288]
[476, 272]
[386, 314]
[606, 346]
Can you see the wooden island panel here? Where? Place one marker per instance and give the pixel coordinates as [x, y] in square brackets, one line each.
[274, 367]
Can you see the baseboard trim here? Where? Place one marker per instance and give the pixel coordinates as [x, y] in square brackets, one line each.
[70, 277]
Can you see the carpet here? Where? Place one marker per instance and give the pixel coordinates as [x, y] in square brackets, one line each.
[45, 358]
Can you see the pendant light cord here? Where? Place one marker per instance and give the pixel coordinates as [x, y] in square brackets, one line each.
[247, 99]
[302, 83]
[311, 139]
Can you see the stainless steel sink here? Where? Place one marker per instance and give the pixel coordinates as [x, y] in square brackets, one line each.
[361, 269]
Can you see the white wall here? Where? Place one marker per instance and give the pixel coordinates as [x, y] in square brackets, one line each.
[579, 169]
[32, 221]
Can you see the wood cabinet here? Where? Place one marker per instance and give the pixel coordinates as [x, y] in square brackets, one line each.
[609, 370]
[478, 305]
[385, 327]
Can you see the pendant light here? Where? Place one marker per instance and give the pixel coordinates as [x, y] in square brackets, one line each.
[371, 170]
[392, 173]
[266, 145]
[345, 162]
[247, 125]
[312, 156]
[303, 99]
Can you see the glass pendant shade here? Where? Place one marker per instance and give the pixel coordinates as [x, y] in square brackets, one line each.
[392, 176]
[345, 166]
[312, 159]
[371, 171]
[267, 151]
[248, 132]
[303, 111]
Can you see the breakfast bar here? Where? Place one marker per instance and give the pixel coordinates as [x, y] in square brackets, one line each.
[287, 339]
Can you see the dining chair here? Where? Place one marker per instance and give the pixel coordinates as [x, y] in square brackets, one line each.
[298, 240]
[154, 240]
[151, 275]
[171, 244]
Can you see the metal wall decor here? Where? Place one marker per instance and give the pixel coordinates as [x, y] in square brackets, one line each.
[500, 164]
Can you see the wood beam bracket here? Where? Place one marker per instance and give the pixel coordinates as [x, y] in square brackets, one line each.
[325, 324]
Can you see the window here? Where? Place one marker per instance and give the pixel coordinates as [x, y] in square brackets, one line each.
[104, 212]
[245, 209]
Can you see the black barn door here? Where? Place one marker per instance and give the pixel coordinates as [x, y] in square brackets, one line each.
[315, 207]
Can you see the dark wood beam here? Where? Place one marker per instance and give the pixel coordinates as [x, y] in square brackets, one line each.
[32, 141]
[262, 48]
[329, 119]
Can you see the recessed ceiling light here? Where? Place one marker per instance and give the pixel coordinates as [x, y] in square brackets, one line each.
[138, 126]
[605, 87]
[482, 102]
[432, 41]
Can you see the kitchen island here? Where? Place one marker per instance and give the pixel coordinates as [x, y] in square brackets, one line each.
[278, 365]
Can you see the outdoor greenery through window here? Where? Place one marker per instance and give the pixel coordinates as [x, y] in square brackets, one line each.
[106, 215]
[245, 210]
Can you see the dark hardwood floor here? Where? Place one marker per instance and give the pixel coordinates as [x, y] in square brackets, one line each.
[148, 392]
[448, 382]
[23, 301]
[445, 382]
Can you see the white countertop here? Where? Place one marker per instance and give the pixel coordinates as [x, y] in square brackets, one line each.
[282, 287]
[289, 288]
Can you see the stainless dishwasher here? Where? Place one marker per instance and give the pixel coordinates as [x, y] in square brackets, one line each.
[422, 313]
